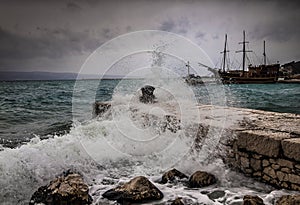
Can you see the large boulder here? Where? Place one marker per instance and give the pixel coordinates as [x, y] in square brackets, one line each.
[64, 190]
[252, 200]
[172, 175]
[201, 179]
[137, 190]
[288, 200]
[147, 94]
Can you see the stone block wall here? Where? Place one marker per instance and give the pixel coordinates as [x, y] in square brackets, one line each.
[270, 156]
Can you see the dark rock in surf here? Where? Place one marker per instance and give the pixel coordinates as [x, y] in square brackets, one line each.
[67, 189]
[100, 108]
[216, 194]
[172, 175]
[177, 201]
[252, 200]
[147, 94]
[288, 200]
[201, 179]
[139, 189]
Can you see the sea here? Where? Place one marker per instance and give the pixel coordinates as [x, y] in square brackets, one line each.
[47, 127]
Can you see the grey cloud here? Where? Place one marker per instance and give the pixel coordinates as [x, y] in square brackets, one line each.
[179, 26]
[168, 25]
[200, 35]
[49, 43]
[73, 7]
[215, 36]
[276, 32]
[108, 33]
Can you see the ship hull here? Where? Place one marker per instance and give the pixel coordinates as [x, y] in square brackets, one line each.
[248, 80]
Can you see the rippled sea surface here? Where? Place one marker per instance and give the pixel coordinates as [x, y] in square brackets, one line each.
[29, 108]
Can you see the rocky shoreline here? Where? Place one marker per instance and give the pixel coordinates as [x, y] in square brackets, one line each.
[70, 189]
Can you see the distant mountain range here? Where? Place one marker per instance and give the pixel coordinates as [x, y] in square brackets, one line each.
[14, 76]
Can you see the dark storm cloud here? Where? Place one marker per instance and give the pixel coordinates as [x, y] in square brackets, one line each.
[55, 31]
[73, 7]
[49, 43]
[179, 26]
[280, 32]
[200, 35]
[167, 25]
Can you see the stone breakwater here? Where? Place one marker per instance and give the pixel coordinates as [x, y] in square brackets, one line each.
[263, 145]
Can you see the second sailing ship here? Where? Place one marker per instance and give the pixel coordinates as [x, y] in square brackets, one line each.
[263, 73]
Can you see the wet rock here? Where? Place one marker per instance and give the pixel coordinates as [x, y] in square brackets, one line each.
[100, 108]
[147, 94]
[64, 190]
[216, 194]
[288, 200]
[139, 189]
[172, 175]
[201, 179]
[252, 200]
[177, 201]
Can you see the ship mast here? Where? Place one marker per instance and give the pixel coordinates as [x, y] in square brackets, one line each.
[244, 51]
[224, 53]
[265, 58]
[188, 67]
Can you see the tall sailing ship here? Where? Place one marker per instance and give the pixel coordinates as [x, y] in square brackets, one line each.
[263, 73]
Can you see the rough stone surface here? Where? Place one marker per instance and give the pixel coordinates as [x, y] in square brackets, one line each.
[244, 162]
[291, 148]
[255, 164]
[139, 189]
[67, 189]
[177, 201]
[252, 200]
[262, 142]
[270, 172]
[266, 163]
[286, 170]
[289, 200]
[265, 145]
[257, 174]
[281, 176]
[201, 179]
[294, 178]
[172, 175]
[295, 187]
[285, 163]
[275, 166]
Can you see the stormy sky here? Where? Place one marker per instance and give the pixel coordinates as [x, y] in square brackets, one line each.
[58, 35]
